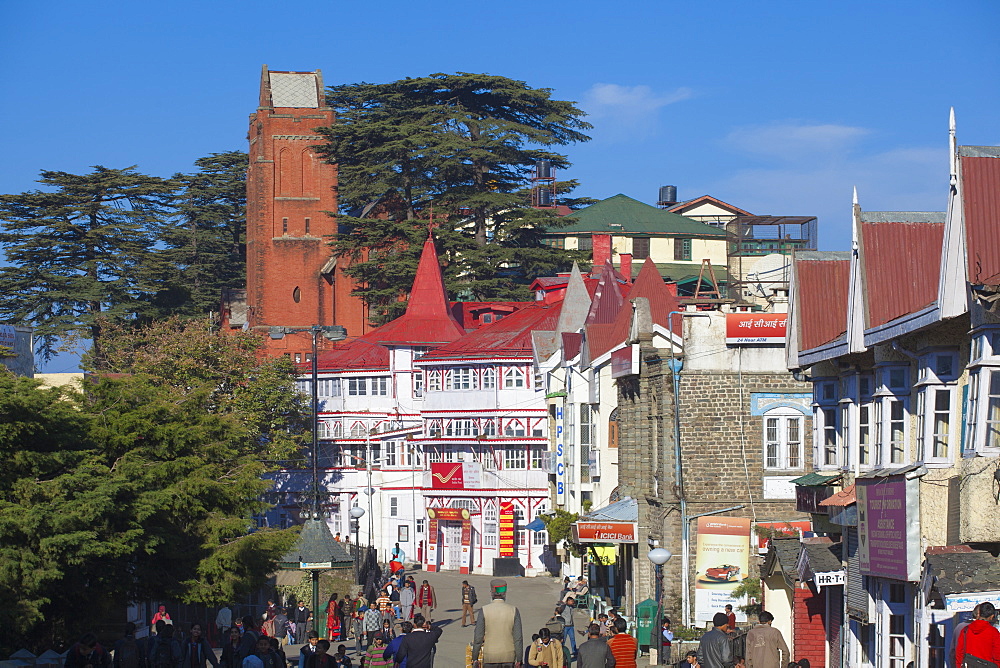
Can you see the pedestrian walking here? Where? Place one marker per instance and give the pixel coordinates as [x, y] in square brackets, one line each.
[980, 640]
[765, 646]
[418, 647]
[301, 617]
[570, 632]
[595, 653]
[165, 651]
[128, 651]
[624, 647]
[406, 599]
[309, 648]
[546, 651]
[196, 650]
[384, 602]
[340, 658]
[282, 627]
[375, 657]
[497, 640]
[231, 649]
[666, 640]
[320, 658]
[393, 645]
[224, 622]
[956, 633]
[371, 625]
[87, 653]
[248, 642]
[161, 613]
[426, 601]
[468, 603]
[715, 649]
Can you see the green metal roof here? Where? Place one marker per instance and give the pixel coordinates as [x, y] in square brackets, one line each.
[623, 215]
[815, 479]
[316, 546]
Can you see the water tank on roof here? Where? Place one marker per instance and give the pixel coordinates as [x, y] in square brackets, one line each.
[544, 196]
[543, 169]
[668, 195]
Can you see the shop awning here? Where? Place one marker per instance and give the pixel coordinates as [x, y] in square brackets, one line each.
[625, 510]
[535, 525]
[814, 479]
[844, 497]
[963, 578]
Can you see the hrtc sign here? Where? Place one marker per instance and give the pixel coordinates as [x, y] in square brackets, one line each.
[829, 579]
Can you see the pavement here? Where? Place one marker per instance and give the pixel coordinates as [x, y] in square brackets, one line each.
[534, 597]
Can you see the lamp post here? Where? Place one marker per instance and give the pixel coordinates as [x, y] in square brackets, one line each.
[659, 556]
[356, 513]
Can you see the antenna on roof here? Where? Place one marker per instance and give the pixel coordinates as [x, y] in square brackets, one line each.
[952, 148]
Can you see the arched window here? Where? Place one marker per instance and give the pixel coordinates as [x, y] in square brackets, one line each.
[613, 429]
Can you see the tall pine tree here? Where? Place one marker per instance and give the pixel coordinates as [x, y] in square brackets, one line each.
[461, 147]
[81, 252]
[204, 248]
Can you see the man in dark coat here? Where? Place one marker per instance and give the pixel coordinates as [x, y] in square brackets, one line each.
[417, 648]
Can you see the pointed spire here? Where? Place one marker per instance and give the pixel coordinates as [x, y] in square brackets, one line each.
[855, 211]
[608, 297]
[575, 303]
[428, 298]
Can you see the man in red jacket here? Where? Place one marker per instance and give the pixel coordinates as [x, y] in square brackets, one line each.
[980, 638]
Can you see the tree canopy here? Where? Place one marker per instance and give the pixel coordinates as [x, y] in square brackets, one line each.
[81, 252]
[456, 148]
[145, 484]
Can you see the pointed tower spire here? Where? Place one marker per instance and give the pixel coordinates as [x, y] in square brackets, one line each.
[608, 298]
[575, 303]
[427, 319]
[855, 291]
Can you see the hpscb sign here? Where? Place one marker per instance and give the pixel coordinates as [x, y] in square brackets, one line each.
[749, 328]
[560, 458]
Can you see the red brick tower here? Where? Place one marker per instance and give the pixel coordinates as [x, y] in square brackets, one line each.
[292, 279]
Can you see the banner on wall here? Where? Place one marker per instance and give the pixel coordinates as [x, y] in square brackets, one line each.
[889, 527]
[722, 561]
[466, 545]
[456, 475]
[432, 543]
[560, 458]
[506, 539]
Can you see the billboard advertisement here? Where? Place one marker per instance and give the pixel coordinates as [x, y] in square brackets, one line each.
[749, 328]
[722, 561]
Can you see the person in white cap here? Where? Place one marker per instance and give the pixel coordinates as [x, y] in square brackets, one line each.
[498, 642]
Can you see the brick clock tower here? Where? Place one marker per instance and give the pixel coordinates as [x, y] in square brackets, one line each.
[292, 279]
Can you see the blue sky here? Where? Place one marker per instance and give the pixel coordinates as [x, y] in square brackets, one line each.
[776, 107]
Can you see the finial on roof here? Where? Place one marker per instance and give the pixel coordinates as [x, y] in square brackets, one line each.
[855, 215]
[855, 201]
[952, 148]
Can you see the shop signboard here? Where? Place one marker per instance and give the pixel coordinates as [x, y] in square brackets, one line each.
[506, 529]
[560, 458]
[605, 532]
[722, 562]
[966, 602]
[889, 527]
[750, 328]
[456, 475]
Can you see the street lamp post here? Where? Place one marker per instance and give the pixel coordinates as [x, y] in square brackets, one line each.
[356, 513]
[659, 556]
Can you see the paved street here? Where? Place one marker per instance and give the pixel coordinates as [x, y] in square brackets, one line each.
[534, 597]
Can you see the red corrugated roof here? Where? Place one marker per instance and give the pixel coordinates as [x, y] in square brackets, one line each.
[648, 284]
[607, 298]
[510, 337]
[356, 354]
[902, 263]
[981, 194]
[822, 300]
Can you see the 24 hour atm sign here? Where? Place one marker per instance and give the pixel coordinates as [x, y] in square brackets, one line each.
[750, 328]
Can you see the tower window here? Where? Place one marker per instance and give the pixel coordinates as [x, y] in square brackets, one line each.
[308, 222]
[284, 226]
[296, 295]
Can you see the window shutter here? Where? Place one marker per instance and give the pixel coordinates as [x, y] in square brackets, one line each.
[857, 595]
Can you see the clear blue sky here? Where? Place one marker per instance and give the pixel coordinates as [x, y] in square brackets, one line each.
[776, 107]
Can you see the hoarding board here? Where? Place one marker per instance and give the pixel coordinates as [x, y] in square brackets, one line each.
[722, 561]
[889, 527]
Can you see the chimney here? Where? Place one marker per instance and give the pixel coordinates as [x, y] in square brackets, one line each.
[625, 266]
[601, 250]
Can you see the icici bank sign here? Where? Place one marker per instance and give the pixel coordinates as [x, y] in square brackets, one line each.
[749, 328]
[605, 532]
